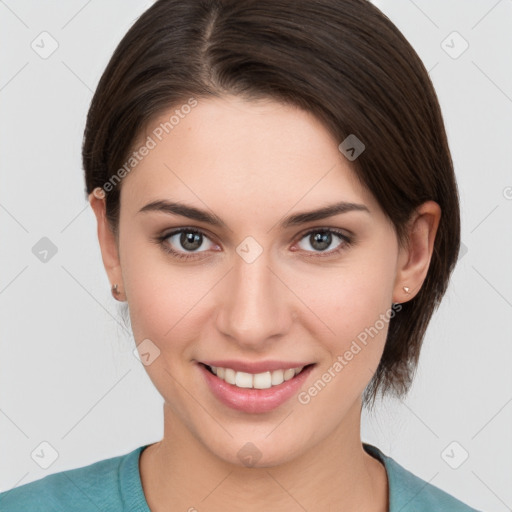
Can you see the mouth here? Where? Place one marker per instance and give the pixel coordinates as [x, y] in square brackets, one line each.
[262, 392]
[263, 380]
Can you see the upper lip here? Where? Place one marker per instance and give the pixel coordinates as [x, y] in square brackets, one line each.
[255, 367]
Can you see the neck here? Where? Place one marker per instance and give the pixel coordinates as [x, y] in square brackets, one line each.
[336, 474]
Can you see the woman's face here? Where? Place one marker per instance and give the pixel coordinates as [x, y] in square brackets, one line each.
[256, 288]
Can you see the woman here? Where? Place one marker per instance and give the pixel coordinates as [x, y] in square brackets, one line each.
[277, 206]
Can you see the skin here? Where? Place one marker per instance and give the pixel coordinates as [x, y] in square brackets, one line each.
[252, 163]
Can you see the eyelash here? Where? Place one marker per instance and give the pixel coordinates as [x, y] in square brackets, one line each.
[347, 242]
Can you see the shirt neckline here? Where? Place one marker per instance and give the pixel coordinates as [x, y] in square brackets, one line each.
[135, 499]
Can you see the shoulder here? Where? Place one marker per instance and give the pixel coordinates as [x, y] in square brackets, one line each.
[409, 492]
[103, 485]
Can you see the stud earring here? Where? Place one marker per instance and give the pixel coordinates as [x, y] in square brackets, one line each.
[406, 289]
[115, 291]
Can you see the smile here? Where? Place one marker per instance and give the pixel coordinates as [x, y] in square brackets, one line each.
[262, 380]
[268, 386]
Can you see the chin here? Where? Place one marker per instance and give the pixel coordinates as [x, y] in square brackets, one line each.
[254, 451]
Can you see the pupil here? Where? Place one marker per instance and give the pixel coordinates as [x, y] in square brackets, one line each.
[322, 240]
[190, 241]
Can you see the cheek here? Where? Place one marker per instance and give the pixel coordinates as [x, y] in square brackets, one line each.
[166, 308]
[360, 327]
[359, 314]
[165, 299]
[349, 298]
[353, 307]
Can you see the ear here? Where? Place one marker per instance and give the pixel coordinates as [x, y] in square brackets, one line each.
[108, 243]
[414, 260]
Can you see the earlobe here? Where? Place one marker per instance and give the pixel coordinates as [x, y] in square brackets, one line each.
[414, 260]
[108, 244]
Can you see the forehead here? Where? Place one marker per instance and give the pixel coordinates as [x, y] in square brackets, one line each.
[255, 153]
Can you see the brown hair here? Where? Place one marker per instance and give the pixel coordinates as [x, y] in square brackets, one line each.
[342, 60]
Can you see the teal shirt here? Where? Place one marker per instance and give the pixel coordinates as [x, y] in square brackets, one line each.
[114, 485]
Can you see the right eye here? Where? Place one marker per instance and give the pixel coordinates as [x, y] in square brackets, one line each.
[183, 243]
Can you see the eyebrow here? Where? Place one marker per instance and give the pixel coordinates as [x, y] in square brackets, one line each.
[197, 214]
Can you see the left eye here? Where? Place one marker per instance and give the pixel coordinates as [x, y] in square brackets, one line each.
[321, 239]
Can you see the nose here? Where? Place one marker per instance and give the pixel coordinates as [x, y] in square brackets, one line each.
[255, 307]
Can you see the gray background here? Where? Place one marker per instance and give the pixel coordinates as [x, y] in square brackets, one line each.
[68, 376]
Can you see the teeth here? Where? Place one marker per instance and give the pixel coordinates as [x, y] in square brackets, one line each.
[263, 380]
[243, 380]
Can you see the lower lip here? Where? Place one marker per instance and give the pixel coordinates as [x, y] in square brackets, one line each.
[254, 400]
